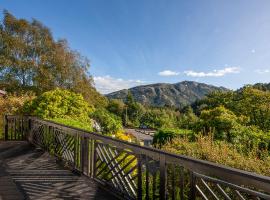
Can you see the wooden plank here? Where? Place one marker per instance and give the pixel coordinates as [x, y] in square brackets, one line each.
[37, 175]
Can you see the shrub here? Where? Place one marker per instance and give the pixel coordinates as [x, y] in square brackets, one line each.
[109, 122]
[166, 135]
[220, 152]
[124, 136]
[59, 104]
[158, 118]
[246, 138]
[74, 123]
[222, 120]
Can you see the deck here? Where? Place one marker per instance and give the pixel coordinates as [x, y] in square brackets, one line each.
[109, 167]
[30, 173]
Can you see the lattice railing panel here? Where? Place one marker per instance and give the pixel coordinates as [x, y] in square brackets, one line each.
[213, 188]
[116, 168]
[64, 146]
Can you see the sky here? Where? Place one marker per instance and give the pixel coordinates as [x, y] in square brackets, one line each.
[129, 43]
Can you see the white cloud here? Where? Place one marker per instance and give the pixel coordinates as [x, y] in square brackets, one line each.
[168, 73]
[262, 71]
[214, 73]
[253, 50]
[108, 84]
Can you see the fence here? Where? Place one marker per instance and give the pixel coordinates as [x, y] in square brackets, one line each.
[137, 172]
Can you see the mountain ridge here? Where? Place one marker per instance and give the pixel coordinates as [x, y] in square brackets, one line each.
[167, 94]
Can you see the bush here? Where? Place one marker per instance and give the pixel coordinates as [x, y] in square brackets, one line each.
[159, 118]
[247, 138]
[222, 120]
[74, 123]
[220, 152]
[59, 104]
[109, 122]
[167, 135]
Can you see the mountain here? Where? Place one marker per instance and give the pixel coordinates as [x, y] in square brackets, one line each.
[161, 94]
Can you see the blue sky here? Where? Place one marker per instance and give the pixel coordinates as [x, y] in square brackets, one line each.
[220, 42]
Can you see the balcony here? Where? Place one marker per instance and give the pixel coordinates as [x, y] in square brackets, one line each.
[53, 159]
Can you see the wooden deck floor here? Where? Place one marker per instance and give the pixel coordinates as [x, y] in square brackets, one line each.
[30, 173]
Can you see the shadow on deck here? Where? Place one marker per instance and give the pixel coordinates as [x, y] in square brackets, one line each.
[30, 173]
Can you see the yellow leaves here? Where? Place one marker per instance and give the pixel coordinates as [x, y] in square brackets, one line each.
[12, 104]
[124, 136]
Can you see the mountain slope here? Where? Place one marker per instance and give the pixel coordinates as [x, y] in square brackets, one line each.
[161, 94]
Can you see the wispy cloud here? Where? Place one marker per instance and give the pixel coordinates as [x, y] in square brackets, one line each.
[214, 73]
[168, 73]
[262, 71]
[108, 84]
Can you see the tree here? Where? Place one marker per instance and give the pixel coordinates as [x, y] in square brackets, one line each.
[220, 120]
[188, 118]
[59, 104]
[31, 60]
[159, 118]
[252, 105]
[116, 107]
[110, 123]
[255, 104]
[134, 110]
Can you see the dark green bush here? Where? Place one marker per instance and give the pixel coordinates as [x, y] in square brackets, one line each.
[163, 136]
[109, 122]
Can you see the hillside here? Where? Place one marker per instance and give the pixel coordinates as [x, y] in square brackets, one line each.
[162, 94]
[262, 86]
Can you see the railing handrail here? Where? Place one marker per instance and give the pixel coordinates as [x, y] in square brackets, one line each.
[236, 176]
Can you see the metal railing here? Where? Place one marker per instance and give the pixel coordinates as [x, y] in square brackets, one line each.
[137, 172]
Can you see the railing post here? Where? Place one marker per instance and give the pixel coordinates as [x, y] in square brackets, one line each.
[91, 161]
[6, 127]
[94, 158]
[163, 177]
[29, 130]
[139, 184]
[192, 194]
[75, 157]
[84, 155]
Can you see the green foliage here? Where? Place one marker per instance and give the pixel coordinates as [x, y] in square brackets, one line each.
[31, 60]
[221, 119]
[262, 86]
[252, 105]
[164, 136]
[117, 107]
[220, 152]
[159, 118]
[74, 123]
[247, 138]
[59, 104]
[110, 123]
[134, 111]
[188, 119]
